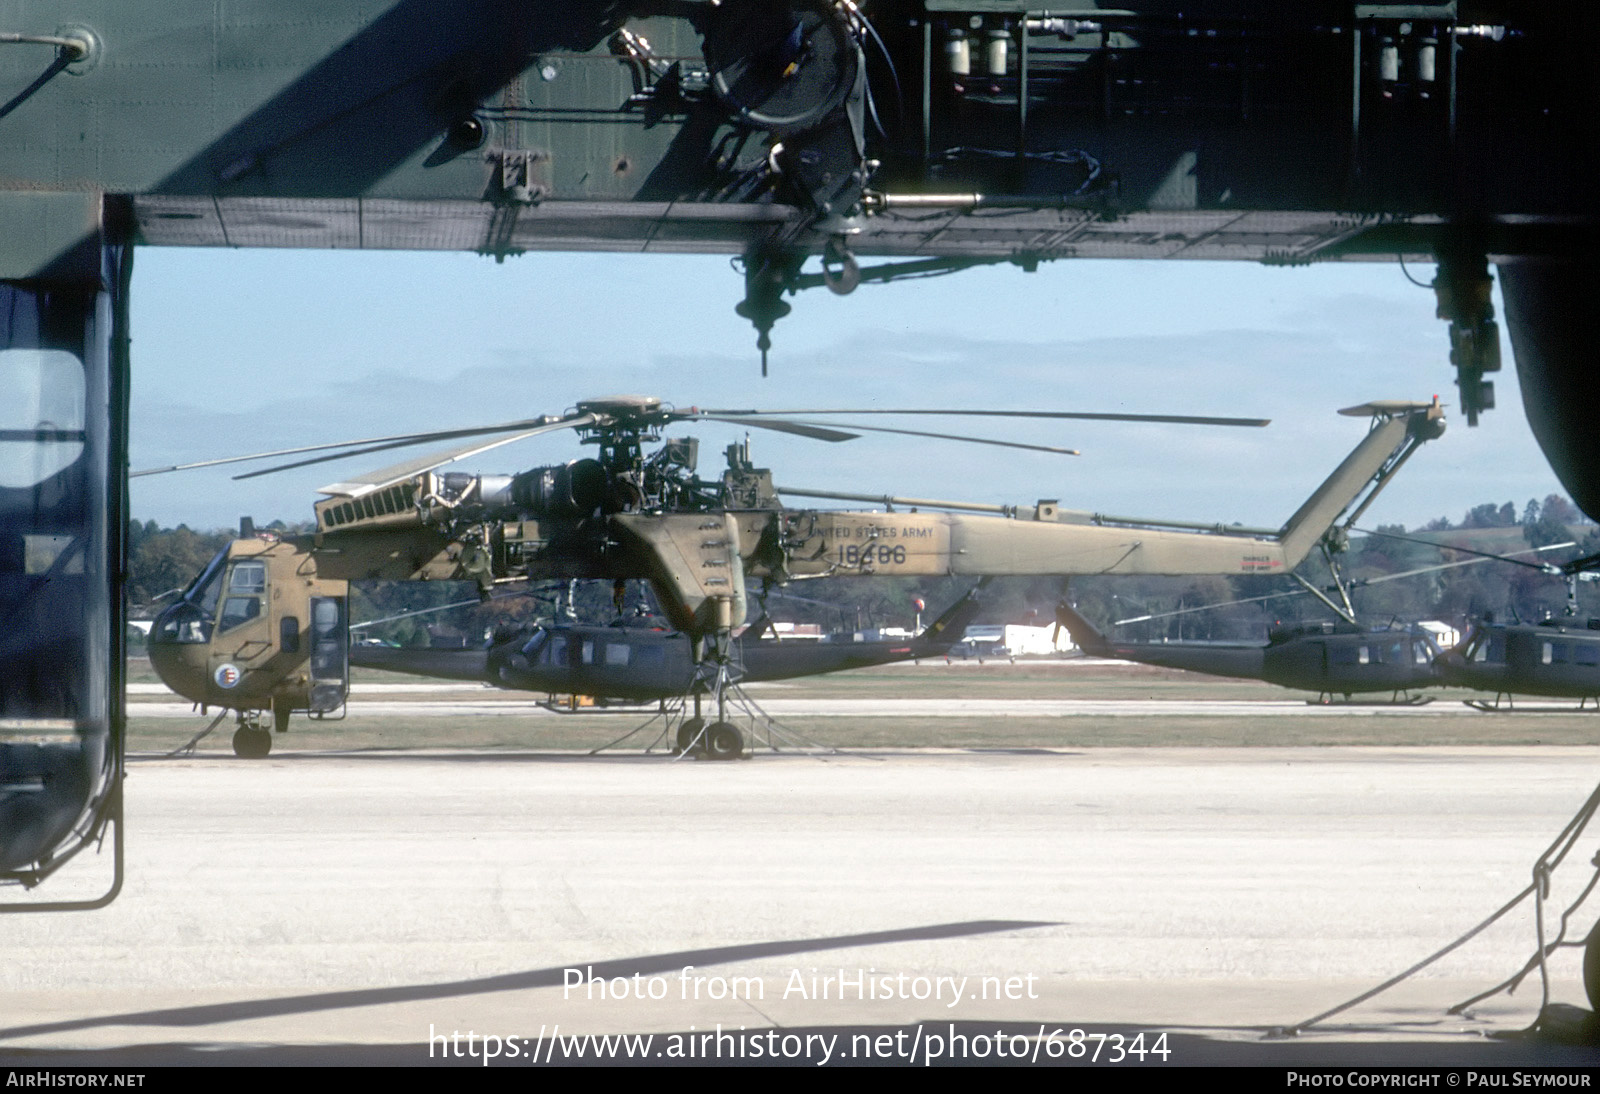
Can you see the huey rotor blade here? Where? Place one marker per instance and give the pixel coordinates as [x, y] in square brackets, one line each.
[1166, 419]
[473, 602]
[1359, 584]
[1542, 567]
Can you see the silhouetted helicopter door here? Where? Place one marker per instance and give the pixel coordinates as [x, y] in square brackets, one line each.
[330, 653]
[63, 371]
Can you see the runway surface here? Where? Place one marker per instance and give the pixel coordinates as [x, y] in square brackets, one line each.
[340, 907]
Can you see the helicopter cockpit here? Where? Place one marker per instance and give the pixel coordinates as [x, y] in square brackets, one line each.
[195, 615]
[191, 617]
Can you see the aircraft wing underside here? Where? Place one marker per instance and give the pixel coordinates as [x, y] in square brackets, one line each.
[721, 228]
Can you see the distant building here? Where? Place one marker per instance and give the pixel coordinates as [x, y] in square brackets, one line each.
[803, 632]
[1013, 640]
[1444, 635]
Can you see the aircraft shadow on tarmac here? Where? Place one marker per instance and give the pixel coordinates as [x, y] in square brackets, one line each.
[648, 965]
[1569, 1038]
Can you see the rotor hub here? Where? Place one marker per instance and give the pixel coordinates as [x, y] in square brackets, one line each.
[622, 406]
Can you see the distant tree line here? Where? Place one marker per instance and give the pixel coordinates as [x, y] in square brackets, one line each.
[162, 561]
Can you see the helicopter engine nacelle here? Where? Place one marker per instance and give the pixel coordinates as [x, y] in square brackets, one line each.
[568, 491]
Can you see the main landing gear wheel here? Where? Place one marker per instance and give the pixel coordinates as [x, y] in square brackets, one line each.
[251, 744]
[724, 742]
[689, 735]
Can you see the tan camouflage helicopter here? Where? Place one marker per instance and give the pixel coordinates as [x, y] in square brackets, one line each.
[265, 626]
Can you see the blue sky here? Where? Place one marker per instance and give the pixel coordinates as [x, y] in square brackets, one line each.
[248, 350]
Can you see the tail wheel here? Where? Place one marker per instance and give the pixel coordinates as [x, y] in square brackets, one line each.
[689, 735]
[724, 742]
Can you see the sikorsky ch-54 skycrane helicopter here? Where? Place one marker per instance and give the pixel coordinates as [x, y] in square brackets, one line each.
[265, 626]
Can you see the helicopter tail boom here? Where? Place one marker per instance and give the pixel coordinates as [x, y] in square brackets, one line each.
[1244, 661]
[1050, 540]
[1398, 430]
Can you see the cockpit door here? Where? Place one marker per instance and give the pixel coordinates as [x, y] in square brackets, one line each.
[242, 635]
[330, 653]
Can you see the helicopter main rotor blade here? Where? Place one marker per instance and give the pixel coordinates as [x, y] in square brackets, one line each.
[473, 602]
[1166, 419]
[388, 476]
[824, 432]
[1053, 449]
[540, 426]
[799, 429]
[397, 441]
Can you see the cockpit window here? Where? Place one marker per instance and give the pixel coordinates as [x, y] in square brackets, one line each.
[530, 648]
[237, 610]
[248, 577]
[182, 623]
[206, 588]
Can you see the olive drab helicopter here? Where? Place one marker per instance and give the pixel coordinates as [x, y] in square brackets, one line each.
[1327, 658]
[1556, 658]
[631, 515]
[1344, 658]
[636, 659]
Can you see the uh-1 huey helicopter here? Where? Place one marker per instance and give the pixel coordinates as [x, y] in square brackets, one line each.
[637, 659]
[1327, 658]
[1557, 657]
[265, 627]
[1335, 657]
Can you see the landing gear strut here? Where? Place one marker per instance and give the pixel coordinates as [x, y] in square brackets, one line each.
[714, 675]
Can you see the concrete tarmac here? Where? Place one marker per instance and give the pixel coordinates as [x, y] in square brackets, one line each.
[344, 908]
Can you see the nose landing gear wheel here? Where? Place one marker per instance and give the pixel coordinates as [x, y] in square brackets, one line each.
[724, 742]
[252, 744]
[690, 736]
